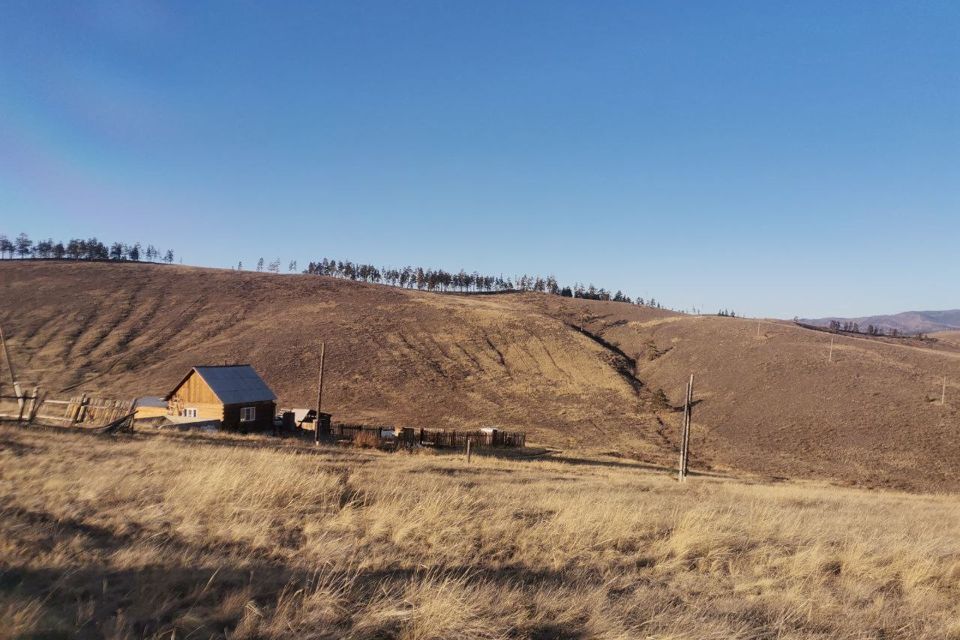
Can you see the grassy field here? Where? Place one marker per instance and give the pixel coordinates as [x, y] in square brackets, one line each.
[221, 537]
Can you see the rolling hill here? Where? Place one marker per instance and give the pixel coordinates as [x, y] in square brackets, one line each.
[908, 322]
[572, 373]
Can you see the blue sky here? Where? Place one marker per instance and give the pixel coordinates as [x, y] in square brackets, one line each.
[778, 158]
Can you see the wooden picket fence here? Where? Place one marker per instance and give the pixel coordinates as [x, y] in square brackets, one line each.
[439, 438]
[77, 411]
[458, 439]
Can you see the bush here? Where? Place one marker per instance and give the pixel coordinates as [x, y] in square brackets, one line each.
[660, 399]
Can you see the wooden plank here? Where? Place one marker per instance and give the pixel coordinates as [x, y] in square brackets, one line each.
[31, 410]
[82, 410]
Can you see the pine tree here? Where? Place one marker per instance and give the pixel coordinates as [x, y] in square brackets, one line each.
[23, 244]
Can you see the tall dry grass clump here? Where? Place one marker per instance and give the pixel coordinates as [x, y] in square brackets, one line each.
[219, 537]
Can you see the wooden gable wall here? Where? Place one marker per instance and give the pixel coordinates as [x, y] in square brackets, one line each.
[196, 393]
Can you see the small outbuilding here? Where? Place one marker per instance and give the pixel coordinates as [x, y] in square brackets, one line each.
[151, 407]
[233, 394]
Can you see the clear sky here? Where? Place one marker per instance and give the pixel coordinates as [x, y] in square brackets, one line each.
[778, 158]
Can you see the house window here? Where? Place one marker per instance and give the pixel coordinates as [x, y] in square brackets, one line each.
[190, 413]
[248, 414]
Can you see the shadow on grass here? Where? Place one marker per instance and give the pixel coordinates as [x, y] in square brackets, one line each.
[211, 595]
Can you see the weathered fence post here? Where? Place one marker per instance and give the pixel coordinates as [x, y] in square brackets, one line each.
[82, 412]
[21, 406]
[32, 411]
[74, 408]
[469, 440]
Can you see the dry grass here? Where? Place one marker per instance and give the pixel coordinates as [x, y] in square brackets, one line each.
[198, 538]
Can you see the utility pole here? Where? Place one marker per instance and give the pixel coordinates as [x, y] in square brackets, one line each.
[316, 429]
[685, 436]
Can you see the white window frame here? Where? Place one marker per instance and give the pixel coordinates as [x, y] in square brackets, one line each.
[190, 412]
[248, 414]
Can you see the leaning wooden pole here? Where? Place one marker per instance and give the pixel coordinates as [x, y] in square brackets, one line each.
[13, 377]
[316, 429]
[6, 356]
[683, 434]
[686, 447]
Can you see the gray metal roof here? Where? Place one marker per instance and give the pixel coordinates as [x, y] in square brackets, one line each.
[151, 401]
[235, 384]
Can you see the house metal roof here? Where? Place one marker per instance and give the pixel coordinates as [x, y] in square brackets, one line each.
[151, 401]
[233, 384]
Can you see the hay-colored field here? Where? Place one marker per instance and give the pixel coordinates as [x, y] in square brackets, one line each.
[199, 537]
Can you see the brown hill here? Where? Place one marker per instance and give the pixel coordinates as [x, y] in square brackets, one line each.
[394, 356]
[771, 404]
[909, 322]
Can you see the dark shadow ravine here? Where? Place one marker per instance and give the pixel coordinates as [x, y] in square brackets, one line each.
[622, 363]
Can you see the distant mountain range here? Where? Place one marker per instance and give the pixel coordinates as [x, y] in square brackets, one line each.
[910, 322]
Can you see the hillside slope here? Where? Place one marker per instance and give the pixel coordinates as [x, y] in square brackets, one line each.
[393, 356]
[773, 402]
[573, 373]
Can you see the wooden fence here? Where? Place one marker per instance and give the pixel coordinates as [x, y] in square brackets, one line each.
[458, 439]
[77, 411]
[440, 438]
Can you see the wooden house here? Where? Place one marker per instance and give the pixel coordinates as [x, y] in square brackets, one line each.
[233, 394]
